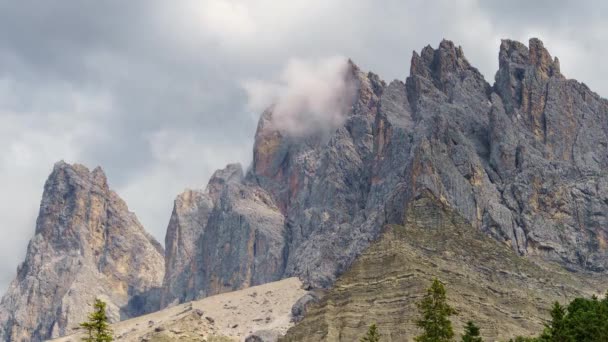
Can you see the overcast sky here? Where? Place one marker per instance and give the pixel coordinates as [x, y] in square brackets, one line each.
[153, 91]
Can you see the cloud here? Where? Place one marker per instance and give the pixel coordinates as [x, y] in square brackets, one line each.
[309, 96]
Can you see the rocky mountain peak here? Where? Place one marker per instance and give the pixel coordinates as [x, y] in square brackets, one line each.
[438, 64]
[540, 57]
[87, 245]
[523, 71]
[515, 55]
[78, 175]
[232, 173]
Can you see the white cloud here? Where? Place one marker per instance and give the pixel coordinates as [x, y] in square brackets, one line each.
[308, 96]
[228, 22]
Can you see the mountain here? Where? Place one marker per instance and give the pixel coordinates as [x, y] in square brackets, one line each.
[522, 160]
[506, 294]
[87, 244]
[499, 189]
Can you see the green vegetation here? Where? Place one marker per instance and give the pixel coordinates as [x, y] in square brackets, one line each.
[583, 320]
[471, 333]
[97, 327]
[435, 312]
[372, 334]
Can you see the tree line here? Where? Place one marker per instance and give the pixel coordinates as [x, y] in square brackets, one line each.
[583, 320]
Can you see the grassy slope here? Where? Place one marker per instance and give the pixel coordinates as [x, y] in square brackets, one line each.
[487, 282]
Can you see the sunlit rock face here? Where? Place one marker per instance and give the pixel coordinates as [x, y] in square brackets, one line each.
[87, 245]
[521, 161]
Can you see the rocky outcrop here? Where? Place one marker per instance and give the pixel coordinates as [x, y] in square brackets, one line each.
[521, 161]
[87, 245]
[548, 148]
[506, 294]
[225, 238]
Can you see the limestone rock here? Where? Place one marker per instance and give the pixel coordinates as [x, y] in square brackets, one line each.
[191, 211]
[298, 310]
[263, 336]
[225, 238]
[521, 160]
[87, 245]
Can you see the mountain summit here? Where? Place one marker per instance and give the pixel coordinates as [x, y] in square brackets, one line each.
[522, 161]
[87, 245]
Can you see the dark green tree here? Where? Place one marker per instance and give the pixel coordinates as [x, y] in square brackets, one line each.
[583, 320]
[556, 330]
[435, 312]
[372, 334]
[471, 333]
[524, 339]
[97, 327]
[89, 328]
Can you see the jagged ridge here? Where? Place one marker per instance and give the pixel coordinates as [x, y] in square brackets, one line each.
[521, 160]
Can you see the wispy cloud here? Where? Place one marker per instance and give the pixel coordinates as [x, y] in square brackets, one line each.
[307, 97]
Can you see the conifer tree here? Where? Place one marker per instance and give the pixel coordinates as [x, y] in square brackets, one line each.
[435, 312]
[555, 331]
[372, 334]
[97, 327]
[471, 333]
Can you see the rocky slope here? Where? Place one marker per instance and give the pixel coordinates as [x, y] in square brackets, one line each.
[263, 310]
[522, 160]
[87, 245]
[487, 282]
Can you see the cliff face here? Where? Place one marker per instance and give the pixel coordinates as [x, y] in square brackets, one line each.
[225, 238]
[548, 147]
[487, 282]
[87, 245]
[521, 161]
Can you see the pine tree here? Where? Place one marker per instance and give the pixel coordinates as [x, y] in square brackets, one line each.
[471, 333]
[435, 313]
[89, 328]
[555, 331]
[372, 334]
[97, 327]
